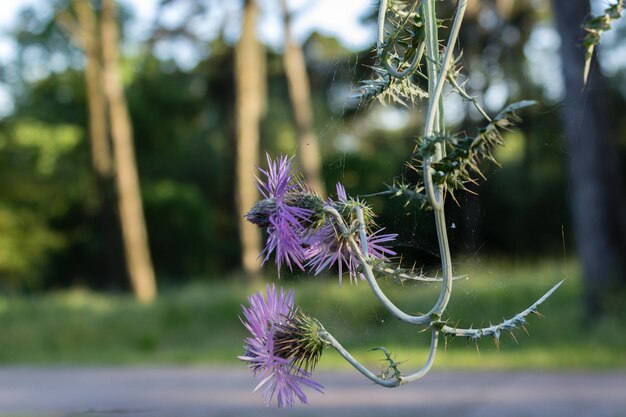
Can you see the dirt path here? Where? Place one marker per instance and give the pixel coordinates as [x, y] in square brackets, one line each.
[212, 392]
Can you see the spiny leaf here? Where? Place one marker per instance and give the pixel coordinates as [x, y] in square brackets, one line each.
[393, 365]
[518, 321]
[464, 155]
[595, 27]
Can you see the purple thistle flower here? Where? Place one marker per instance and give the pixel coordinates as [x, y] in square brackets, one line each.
[327, 247]
[266, 319]
[285, 222]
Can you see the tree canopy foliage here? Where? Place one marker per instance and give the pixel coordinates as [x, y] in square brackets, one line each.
[183, 121]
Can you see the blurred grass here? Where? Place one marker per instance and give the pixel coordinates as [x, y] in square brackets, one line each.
[199, 323]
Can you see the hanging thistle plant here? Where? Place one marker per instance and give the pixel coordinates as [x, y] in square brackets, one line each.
[315, 234]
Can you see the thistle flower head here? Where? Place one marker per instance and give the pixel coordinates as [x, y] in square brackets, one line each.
[283, 346]
[286, 222]
[329, 247]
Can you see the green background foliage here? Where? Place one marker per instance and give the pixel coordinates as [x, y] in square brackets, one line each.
[183, 122]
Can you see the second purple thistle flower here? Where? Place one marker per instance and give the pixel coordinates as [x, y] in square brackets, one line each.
[328, 247]
[300, 233]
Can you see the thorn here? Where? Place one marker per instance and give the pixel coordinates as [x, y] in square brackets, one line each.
[455, 200]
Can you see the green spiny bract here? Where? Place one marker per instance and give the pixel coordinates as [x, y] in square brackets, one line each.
[261, 211]
[464, 155]
[298, 339]
[311, 201]
[347, 210]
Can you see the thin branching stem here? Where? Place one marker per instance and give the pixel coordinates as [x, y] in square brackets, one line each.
[382, 13]
[435, 94]
[328, 338]
[394, 381]
[362, 235]
[459, 89]
[432, 58]
[435, 89]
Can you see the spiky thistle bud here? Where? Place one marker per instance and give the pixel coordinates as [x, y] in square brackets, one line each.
[297, 339]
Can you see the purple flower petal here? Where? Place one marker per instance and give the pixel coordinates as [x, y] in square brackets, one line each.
[341, 192]
[286, 223]
[278, 376]
[327, 247]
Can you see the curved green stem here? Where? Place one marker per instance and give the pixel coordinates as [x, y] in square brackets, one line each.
[360, 252]
[391, 382]
[433, 105]
[328, 338]
[435, 89]
[382, 47]
[382, 13]
[433, 192]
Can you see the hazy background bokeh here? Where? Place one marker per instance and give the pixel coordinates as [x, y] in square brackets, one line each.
[66, 267]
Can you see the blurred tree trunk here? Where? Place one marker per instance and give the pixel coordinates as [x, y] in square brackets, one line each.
[300, 96]
[89, 39]
[596, 192]
[84, 31]
[130, 206]
[250, 88]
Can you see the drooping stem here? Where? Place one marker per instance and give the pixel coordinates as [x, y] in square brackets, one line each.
[437, 77]
[360, 252]
[369, 273]
[435, 93]
[434, 342]
[446, 264]
[383, 47]
[396, 380]
[382, 13]
[434, 192]
[362, 235]
[432, 58]
[328, 338]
